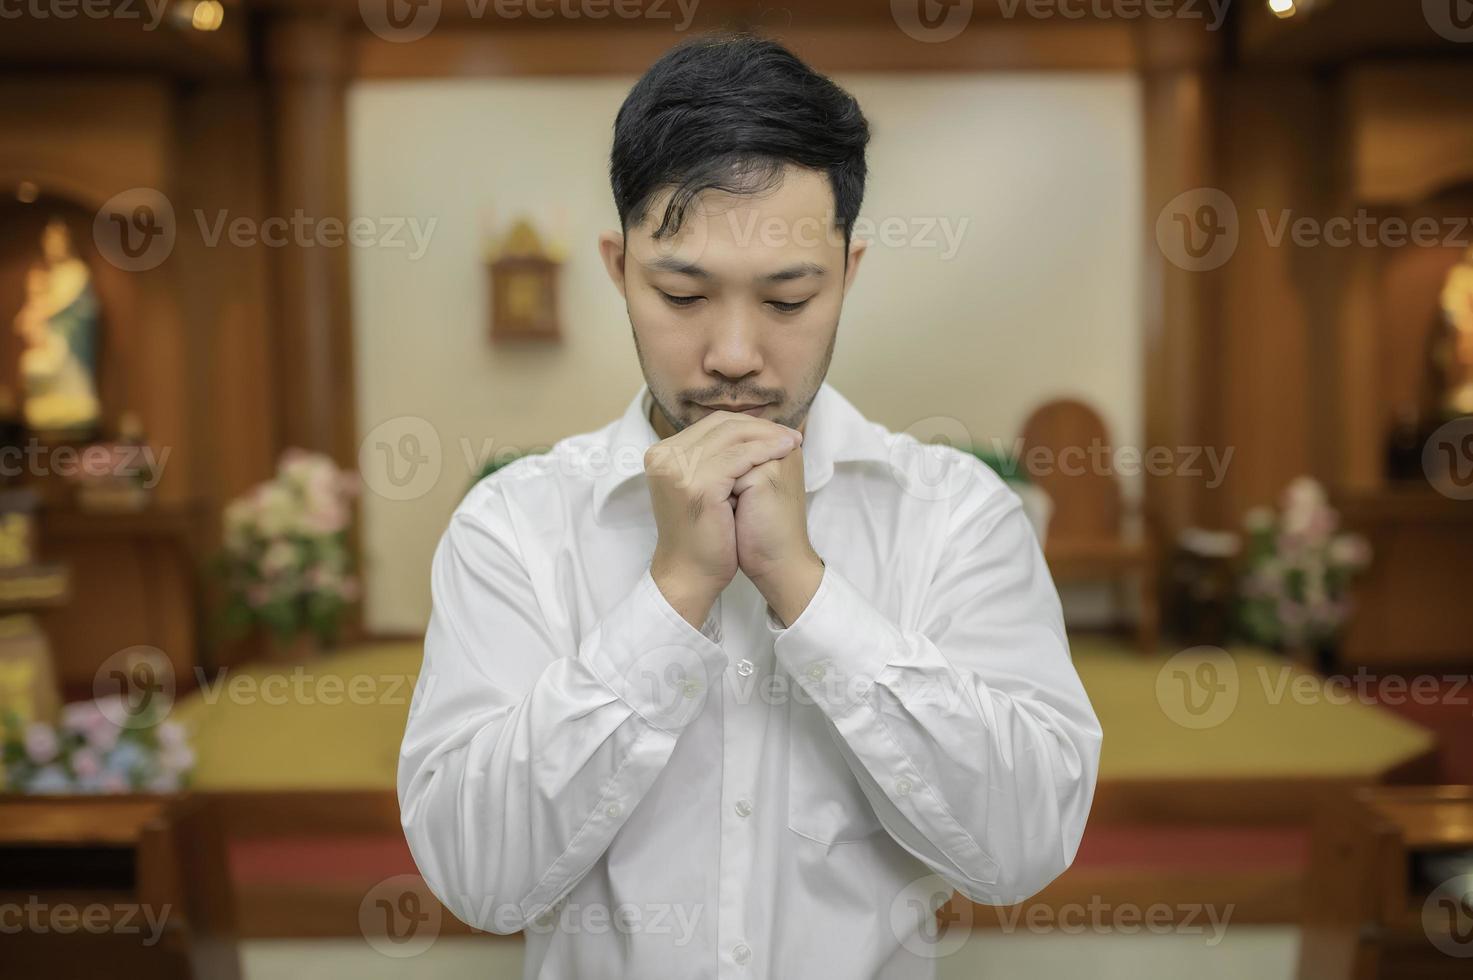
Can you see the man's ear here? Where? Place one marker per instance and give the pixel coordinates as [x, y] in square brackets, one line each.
[611, 248]
[857, 248]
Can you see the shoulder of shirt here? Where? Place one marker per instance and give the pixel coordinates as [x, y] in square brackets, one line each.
[538, 482]
[950, 475]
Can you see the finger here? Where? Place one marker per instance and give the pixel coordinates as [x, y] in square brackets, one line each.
[720, 429]
[723, 442]
[723, 469]
[762, 473]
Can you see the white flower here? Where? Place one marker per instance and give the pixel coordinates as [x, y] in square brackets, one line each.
[277, 510]
[240, 522]
[1258, 519]
[279, 557]
[1350, 551]
[1304, 493]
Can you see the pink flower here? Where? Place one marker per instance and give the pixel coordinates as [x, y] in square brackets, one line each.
[325, 516]
[82, 716]
[279, 557]
[171, 735]
[86, 764]
[103, 737]
[164, 782]
[42, 744]
[1291, 614]
[177, 758]
[112, 782]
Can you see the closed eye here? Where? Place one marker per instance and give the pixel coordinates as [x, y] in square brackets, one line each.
[788, 307]
[679, 300]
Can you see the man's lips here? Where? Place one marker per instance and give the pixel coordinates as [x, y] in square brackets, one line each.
[746, 409]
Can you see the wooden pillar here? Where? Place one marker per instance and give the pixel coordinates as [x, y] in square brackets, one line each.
[307, 54]
[307, 58]
[1179, 379]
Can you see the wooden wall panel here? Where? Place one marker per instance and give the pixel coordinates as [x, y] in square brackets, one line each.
[1176, 302]
[1270, 146]
[225, 290]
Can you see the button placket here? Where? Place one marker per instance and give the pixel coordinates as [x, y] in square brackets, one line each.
[744, 720]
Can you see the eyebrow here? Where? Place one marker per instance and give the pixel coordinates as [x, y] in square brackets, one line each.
[798, 270]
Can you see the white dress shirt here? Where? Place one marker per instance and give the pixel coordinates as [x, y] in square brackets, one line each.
[649, 800]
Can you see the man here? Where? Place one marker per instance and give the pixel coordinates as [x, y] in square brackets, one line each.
[740, 685]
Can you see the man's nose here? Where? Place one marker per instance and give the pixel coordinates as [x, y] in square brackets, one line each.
[733, 349]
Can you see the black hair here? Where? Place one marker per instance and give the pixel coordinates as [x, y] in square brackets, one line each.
[727, 111]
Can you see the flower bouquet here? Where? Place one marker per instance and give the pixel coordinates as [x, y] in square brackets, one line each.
[1298, 566]
[96, 747]
[286, 562]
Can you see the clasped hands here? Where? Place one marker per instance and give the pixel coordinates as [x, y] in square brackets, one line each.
[727, 493]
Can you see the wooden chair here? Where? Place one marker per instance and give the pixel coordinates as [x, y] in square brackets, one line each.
[1067, 452]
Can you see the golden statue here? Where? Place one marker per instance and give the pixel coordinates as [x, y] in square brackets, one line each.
[58, 326]
[1452, 347]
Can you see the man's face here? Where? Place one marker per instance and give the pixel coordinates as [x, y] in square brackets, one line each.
[741, 306]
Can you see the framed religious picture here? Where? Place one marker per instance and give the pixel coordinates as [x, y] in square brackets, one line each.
[524, 288]
[58, 329]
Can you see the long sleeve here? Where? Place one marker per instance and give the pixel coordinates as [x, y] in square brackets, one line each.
[972, 736]
[522, 757]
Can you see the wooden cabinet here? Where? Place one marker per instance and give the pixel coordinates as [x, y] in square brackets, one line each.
[136, 580]
[1372, 912]
[100, 887]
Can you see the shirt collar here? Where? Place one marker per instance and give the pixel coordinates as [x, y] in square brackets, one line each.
[836, 432]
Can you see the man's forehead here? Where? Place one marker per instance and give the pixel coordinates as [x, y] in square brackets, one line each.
[798, 195]
[776, 235]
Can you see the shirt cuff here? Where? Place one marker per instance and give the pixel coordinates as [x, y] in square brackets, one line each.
[652, 659]
[837, 646]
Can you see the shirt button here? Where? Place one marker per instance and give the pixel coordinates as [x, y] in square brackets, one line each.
[744, 667]
[816, 672]
[902, 786]
[691, 689]
[613, 809]
[744, 808]
[741, 953]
